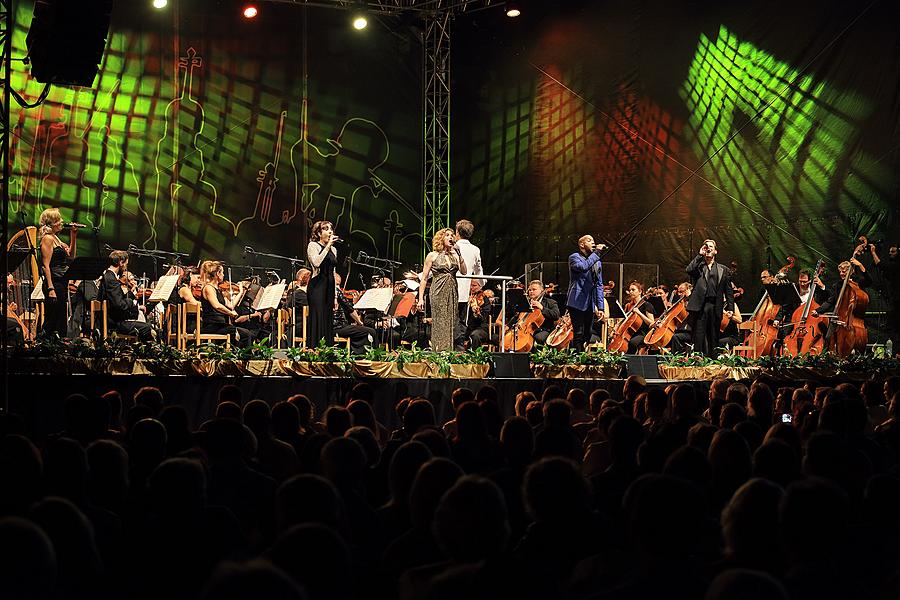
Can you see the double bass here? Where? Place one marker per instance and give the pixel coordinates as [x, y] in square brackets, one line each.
[808, 336]
[763, 334]
[849, 325]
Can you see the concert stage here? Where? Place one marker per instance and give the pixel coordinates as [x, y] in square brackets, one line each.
[40, 398]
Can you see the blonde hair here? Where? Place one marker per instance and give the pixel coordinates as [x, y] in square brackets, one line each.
[208, 270]
[437, 242]
[48, 219]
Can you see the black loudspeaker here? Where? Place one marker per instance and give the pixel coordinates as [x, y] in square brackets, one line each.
[645, 366]
[67, 39]
[515, 365]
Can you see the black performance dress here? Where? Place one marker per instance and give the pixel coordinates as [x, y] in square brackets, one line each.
[320, 294]
[55, 312]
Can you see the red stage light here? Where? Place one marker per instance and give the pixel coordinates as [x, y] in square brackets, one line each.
[250, 11]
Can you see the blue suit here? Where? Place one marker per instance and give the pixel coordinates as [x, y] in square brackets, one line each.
[585, 287]
[585, 295]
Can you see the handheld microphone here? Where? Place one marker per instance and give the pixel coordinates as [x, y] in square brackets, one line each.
[74, 226]
[336, 240]
[248, 250]
[361, 256]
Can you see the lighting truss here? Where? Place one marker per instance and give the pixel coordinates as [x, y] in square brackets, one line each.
[6, 30]
[436, 179]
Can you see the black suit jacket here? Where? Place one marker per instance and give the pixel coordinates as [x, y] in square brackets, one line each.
[724, 295]
[119, 307]
[861, 278]
[787, 309]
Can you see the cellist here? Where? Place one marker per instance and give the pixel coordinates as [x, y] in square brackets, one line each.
[805, 284]
[539, 300]
[644, 312]
[683, 336]
[859, 276]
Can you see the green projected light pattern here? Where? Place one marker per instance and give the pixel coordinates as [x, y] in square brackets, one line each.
[798, 158]
[210, 149]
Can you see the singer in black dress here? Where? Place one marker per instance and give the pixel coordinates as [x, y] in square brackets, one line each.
[322, 257]
[55, 257]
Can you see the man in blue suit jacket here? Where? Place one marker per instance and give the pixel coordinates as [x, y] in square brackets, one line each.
[585, 300]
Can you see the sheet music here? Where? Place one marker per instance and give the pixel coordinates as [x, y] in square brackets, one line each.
[37, 294]
[163, 290]
[269, 296]
[377, 298]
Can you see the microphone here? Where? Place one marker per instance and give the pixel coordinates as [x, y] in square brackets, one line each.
[74, 226]
[248, 250]
[361, 256]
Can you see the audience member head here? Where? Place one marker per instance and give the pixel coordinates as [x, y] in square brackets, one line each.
[556, 492]
[151, 397]
[606, 417]
[761, 405]
[134, 415]
[737, 393]
[814, 515]
[471, 522]
[229, 410]
[578, 400]
[872, 393]
[65, 470]
[419, 414]
[534, 413]
[684, 403]
[517, 441]
[306, 410]
[343, 463]
[257, 416]
[639, 410]
[557, 413]
[405, 463]
[650, 503]
[337, 420]
[745, 584]
[625, 437]
[431, 482]
[285, 421]
[752, 434]
[27, 561]
[107, 474]
[310, 456]
[435, 440]
[316, 557]
[800, 397]
[21, 474]
[750, 525]
[690, 464]
[178, 489]
[361, 391]
[366, 439]
[178, 429]
[731, 462]
[470, 423]
[363, 415]
[225, 441]
[308, 498]
[633, 386]
[79, 566]
[776, 461]
[523, 399]
[552, 392]
[700, 436]
[487, 393]
[230, 393]
[732, 414]
[656, 403]
[891, 386]
[254, 579]
[598, 397]
[718, 388]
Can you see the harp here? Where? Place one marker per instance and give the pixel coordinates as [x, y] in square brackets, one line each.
[24, 278]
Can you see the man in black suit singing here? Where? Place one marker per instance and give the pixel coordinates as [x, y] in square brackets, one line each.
[711, 297]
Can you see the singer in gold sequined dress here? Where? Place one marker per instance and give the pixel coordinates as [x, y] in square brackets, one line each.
[442, 263]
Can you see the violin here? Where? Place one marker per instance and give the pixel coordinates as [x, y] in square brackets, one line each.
[478, 300]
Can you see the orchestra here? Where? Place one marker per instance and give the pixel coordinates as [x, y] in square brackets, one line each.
[809, 315]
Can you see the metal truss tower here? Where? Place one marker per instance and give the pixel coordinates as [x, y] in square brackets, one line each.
[436, 177]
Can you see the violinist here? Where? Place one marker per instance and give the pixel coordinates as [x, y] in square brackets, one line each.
[117, 288]
[711, 297]
[216, 307]
[258, 323]
[55, 256]
[635, 291]
[889, 267]
[347, 322]
[806, 285]
[297, 293]
[479, 314]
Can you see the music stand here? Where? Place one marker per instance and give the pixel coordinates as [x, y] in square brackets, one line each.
[16, 256]
[86, 269]
[615, 309]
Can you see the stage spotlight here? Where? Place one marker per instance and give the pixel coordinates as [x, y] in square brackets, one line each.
[250, 11]
[513, 9]
[160, 3]
[360, 22]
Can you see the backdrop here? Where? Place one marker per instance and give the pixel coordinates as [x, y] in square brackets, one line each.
[205, 133]
[769, 126]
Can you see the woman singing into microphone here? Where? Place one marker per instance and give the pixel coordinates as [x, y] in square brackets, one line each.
[442, 263]
[322, 257]
[54, 264]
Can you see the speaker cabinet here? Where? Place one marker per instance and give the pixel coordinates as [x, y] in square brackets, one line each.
[515, 365]
[645, 366]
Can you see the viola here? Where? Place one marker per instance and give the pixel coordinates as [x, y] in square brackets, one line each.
[629, 325]
[850, 328]
[478, 300]
[808, 336]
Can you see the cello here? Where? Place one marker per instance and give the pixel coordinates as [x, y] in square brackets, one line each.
[849, 311]
[660, 334]
[763, 334]
[808, 336]
[563, 334]
[629, 325]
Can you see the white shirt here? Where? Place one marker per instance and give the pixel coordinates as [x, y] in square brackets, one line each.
[471, 255]
[315, 255]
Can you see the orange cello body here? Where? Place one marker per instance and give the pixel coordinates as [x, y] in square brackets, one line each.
[562, 335]
[520, 337]
[627, 328]
[850, 333]
[663, 329]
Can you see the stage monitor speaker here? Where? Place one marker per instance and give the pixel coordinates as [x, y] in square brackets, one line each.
[67, 39]
[645, 366]
[515, 365]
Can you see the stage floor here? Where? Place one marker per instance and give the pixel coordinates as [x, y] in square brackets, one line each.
[40, 398]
